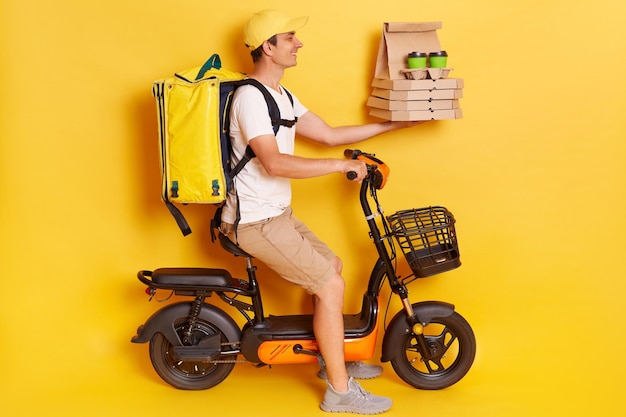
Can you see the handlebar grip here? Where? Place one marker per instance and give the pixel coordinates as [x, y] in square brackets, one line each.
[352, 153]
[351, 175]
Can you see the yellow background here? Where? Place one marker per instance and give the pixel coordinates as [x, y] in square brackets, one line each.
[534, 174]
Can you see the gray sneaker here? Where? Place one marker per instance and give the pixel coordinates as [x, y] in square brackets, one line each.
[356, 400]
[358, 370]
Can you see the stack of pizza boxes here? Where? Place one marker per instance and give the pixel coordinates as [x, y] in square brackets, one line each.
[400, 93]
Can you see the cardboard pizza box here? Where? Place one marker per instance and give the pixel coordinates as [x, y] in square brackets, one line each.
[409, 115]
[381, 103]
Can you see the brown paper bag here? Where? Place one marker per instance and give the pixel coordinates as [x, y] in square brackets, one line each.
[398, 40]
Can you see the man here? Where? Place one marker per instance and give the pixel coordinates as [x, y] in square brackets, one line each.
[267, 229]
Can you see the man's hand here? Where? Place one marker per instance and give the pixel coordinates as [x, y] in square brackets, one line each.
[357, 166]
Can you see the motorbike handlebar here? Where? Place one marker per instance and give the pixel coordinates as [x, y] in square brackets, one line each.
[351, 154]
[375, 167]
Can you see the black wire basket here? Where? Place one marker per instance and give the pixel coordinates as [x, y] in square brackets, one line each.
[427, 238]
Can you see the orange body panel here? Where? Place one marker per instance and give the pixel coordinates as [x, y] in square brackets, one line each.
[276, 352]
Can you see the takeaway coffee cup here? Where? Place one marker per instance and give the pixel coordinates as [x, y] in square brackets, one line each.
[417, 60]
[438, 59]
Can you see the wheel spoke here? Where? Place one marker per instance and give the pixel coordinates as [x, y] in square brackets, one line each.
[438, 363]
[441, 343]
[442, 355]
[446, 345]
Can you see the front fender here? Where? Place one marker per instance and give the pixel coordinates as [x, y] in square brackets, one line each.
[399, 325]
[163, 322]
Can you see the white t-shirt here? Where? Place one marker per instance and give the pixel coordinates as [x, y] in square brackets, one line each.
[261, 195]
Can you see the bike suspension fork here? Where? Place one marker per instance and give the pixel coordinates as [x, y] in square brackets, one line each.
[416, 327]
[403, 293]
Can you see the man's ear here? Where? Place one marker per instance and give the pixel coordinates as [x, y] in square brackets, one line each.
[267, 48]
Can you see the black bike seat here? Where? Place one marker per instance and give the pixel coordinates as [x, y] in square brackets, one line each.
[204, 277]
[230, 246]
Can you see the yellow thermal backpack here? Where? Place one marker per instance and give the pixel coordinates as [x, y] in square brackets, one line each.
[193, 110]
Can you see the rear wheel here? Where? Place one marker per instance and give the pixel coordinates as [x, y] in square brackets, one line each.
[451, 349]
[190, 375]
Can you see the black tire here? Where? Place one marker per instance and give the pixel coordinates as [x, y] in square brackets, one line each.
[453, 345]
[189, 375]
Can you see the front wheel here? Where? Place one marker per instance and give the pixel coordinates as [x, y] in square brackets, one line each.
[190, 375]
[451, 349]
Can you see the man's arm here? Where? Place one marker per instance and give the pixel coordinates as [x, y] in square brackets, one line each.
[290, 166]
[313, 127]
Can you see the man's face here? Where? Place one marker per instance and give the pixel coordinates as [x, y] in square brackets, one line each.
[287, 46]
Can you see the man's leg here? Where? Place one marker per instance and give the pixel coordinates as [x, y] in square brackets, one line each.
[358, 369]
[329, 331]
[343, 394]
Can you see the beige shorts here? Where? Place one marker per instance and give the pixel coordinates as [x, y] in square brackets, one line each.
[286, 245]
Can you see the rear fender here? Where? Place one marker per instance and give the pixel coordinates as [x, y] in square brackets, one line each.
[400, 326]
[163, 322]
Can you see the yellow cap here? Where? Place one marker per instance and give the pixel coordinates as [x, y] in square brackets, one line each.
[267, 23]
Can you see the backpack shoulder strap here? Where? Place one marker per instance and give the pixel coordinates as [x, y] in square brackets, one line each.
[272, 107]
[247, 156]
[274, 113]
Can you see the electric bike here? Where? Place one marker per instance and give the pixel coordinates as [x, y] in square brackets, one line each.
[195, 345]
